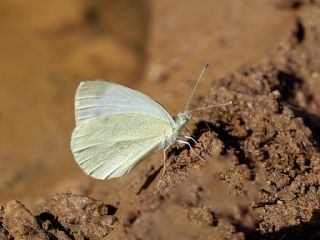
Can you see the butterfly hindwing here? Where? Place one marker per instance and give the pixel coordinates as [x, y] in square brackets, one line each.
[109, 146]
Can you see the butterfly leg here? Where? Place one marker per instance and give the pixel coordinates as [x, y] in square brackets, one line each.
[191, 138]
[184, 142]
[164, 160]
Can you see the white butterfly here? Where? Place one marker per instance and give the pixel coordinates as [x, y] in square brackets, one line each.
[116, 127]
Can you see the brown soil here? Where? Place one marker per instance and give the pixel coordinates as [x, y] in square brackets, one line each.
[261, 174]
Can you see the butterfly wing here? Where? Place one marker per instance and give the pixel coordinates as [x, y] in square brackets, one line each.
[104, 98]
[109, 146]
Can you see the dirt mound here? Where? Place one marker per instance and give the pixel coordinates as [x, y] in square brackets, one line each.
[65, 216]
[260, 179]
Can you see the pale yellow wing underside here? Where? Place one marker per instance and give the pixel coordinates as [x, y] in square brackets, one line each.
[109, 146]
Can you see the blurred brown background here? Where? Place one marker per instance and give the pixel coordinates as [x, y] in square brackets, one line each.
[158, 47]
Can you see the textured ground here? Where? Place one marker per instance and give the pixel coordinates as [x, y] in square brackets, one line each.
[261, 177]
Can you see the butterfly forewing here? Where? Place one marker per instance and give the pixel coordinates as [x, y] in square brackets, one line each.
[104, 98]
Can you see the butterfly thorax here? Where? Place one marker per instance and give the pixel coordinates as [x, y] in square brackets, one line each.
[180, 120]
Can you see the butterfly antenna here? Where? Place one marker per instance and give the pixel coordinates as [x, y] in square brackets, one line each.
[206, 65]
[210, 106]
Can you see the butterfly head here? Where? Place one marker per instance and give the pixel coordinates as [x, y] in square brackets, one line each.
[181, 120]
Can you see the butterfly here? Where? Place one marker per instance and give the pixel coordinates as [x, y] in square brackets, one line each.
[117, 127]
